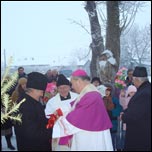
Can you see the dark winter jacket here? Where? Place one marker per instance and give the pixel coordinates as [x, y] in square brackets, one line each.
[128, 82]
[8, 123]
[138, 120]
[32, 134]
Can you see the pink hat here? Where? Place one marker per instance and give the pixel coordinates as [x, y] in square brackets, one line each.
[131, 88]
[79, 72]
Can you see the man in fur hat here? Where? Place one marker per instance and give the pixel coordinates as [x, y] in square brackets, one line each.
[138, 114]
[32, 134]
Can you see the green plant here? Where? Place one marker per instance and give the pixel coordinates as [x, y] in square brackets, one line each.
[9, 109]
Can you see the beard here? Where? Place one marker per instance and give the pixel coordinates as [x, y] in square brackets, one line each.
[102, 64]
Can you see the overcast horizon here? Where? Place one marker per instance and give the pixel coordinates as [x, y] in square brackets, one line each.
[42, 32]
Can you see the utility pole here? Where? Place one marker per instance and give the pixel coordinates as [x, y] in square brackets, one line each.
[4, 59]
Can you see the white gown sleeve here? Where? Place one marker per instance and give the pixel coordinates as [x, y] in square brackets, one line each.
[49, 109]
[63, 128]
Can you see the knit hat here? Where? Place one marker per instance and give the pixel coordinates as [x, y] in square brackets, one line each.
[131, 88]
[36, 80]
[62, 80]
[79, 72]
[140, 72]
[22, 81]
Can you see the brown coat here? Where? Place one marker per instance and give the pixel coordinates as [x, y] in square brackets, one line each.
[108, 103]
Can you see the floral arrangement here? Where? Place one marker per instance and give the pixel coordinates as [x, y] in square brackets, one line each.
[50, 91]
[120, 78]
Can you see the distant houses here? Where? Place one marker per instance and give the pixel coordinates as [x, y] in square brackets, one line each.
[43, 68]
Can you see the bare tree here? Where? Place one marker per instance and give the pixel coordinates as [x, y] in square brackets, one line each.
[81, 54]
[127, 13]
[120, 16]
[113, 33]
[114, 28]
[137, 45]
[97, 41]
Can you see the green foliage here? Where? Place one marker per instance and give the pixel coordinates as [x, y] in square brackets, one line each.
[9, 109]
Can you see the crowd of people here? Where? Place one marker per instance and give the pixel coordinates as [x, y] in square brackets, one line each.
[75, 115]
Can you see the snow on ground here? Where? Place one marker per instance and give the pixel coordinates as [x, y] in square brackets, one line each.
[4, 144]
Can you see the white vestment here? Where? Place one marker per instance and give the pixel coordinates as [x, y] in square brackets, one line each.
[52, 105]
[83, 140]
[55, 103]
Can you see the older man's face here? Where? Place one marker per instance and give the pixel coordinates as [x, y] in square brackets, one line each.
[63, 90]
[76, 83]
[135, 82]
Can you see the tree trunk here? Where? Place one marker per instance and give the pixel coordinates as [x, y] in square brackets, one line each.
[97, 41]
[113, 32]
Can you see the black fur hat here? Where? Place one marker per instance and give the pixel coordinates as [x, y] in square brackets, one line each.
[36, 80]
[140, 72]
[62, 80]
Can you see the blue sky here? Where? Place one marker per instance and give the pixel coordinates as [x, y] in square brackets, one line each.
[43, 30]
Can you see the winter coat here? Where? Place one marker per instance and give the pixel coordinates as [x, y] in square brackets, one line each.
[6, 127]
[138, 119]
[128, 81]
[32, 134]
[115, 113]
[17, 96]
[108, 103]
